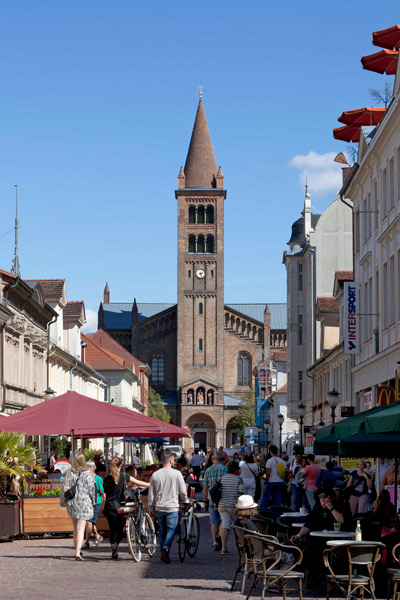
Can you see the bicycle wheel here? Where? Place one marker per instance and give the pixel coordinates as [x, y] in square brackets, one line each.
[150, 533]
[182, 539]
[194, 537]
[133, 541]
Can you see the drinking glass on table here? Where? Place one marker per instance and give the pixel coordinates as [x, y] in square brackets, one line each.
[336, 527]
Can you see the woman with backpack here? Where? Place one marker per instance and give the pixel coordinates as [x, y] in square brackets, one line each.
[359, 483]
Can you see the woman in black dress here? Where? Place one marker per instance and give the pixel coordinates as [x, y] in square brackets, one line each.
[114, 486]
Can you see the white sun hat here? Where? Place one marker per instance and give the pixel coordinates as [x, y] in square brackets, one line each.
[245, 502]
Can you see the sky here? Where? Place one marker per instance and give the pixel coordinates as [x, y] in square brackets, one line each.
[97, 106]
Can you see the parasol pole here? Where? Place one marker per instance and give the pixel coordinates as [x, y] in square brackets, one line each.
[72, 444]
[124, 450]
[106, 451]
[395, 483]
[378, 476]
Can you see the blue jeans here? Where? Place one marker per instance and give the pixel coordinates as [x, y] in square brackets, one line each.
[167, 524]
[297, 495]
[273, 490]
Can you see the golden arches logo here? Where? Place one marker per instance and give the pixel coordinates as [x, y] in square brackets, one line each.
[385, 396]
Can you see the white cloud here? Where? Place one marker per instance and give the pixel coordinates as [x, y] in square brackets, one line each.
[91, 321]
[323, 175]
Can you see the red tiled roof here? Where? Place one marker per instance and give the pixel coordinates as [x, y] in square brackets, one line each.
[344, 275]
[99, 358]
[104, 340]
[280, 355]
[328, 304]
[282, 390]
[7, 273]
[74, 309]
[52, 288]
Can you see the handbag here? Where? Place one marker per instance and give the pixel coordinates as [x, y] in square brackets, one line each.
[70, 492]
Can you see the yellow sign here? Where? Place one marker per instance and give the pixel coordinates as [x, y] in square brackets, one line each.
[351, 463]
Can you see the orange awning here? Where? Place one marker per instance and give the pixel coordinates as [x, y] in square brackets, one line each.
[369, 115]
[348, 133]
[387, 38]
[384, 61]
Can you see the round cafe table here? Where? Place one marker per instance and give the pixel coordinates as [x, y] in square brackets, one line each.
[298, 525]
[334, 543]
[334, 535]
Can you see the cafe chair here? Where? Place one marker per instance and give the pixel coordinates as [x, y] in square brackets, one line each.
[245, 563]
[265, 526]
[285, 526]
[266, 555]
[394, 574]
[356, 555]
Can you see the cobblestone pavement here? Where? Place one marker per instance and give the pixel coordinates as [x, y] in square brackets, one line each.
[40, 568]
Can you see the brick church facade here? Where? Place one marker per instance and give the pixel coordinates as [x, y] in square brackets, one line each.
[201, 351]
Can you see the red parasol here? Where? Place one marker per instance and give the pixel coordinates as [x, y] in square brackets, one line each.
[348, 133]
[384, 61]
[86, 417]
[387, 38]
[370, 115]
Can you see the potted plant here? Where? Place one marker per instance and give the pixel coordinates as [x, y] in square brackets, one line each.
[16, 460]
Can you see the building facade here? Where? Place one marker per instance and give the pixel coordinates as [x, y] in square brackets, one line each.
[201, 351]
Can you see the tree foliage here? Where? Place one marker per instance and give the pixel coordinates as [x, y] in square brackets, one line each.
[246, 412]
[16, 460]
[157, 409]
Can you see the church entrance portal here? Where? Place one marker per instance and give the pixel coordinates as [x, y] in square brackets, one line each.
[200, 441]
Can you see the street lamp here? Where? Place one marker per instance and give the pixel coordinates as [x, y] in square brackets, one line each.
[301, 409]
[333, 400]
[267, 427]
[281, 420]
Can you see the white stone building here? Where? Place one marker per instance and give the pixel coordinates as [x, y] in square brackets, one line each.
[319, 245]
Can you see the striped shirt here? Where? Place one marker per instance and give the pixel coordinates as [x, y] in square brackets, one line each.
[212, 475]
[231, 487]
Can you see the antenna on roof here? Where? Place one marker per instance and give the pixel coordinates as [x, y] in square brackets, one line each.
[15, 270]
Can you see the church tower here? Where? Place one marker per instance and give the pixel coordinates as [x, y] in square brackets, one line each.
[200, 196]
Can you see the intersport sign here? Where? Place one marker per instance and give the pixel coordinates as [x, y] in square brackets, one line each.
[351, 321]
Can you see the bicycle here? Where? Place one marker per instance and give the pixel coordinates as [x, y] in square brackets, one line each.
[139, 528]
[188, 531]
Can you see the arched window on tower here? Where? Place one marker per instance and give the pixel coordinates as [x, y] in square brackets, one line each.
[192, 244]
[210, 214]
[200, 214]
[157, 368]
[192, 214]
[200, 244]
[210, 244]
[243, 369]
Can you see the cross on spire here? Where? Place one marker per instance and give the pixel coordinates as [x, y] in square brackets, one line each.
[201, 88]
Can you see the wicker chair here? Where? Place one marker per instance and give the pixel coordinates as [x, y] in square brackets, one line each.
[245, 563]
[266, 556]
[355, 555]
[394, 574]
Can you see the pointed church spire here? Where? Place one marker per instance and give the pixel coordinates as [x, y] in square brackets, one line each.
[106, 294]
[201, 166]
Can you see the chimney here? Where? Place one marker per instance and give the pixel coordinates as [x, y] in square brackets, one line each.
[106, 295]
[345, 174]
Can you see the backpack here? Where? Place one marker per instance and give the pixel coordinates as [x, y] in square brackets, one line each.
[215, 492]
[280, 469]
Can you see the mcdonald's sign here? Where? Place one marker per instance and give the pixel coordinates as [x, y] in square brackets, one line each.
[385, 396]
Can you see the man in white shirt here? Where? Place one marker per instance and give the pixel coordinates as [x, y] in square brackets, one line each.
[273, 479]
[166, 489]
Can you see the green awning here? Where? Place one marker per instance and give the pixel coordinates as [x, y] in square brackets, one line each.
[386, 421]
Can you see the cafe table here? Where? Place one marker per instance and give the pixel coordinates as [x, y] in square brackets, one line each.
[298, 525]
[334, 535]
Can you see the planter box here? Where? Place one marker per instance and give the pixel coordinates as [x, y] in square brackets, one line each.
[9, 519]
[45, 515]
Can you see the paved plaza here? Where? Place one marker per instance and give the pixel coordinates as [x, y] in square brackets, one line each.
[40, 568]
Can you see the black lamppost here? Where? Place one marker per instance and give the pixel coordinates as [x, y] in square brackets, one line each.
[333, 400]
[301, 409]
[267, 427]
[281, 420]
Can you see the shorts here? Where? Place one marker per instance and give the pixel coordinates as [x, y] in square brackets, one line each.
[215, 518]
[227, 515]
[95, 514]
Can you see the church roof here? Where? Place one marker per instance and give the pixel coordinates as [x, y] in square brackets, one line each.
[298, 229]
[256, 311]
[201, 166]
[118, 315]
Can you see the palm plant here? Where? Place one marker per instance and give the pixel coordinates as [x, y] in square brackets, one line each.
[16, 460]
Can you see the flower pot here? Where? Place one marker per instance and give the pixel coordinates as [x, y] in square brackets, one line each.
[9, 519]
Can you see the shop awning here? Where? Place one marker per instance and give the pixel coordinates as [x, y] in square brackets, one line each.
[348, 133]
[88, 418]
[387, 38]
[369, 115]
[384, 61]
